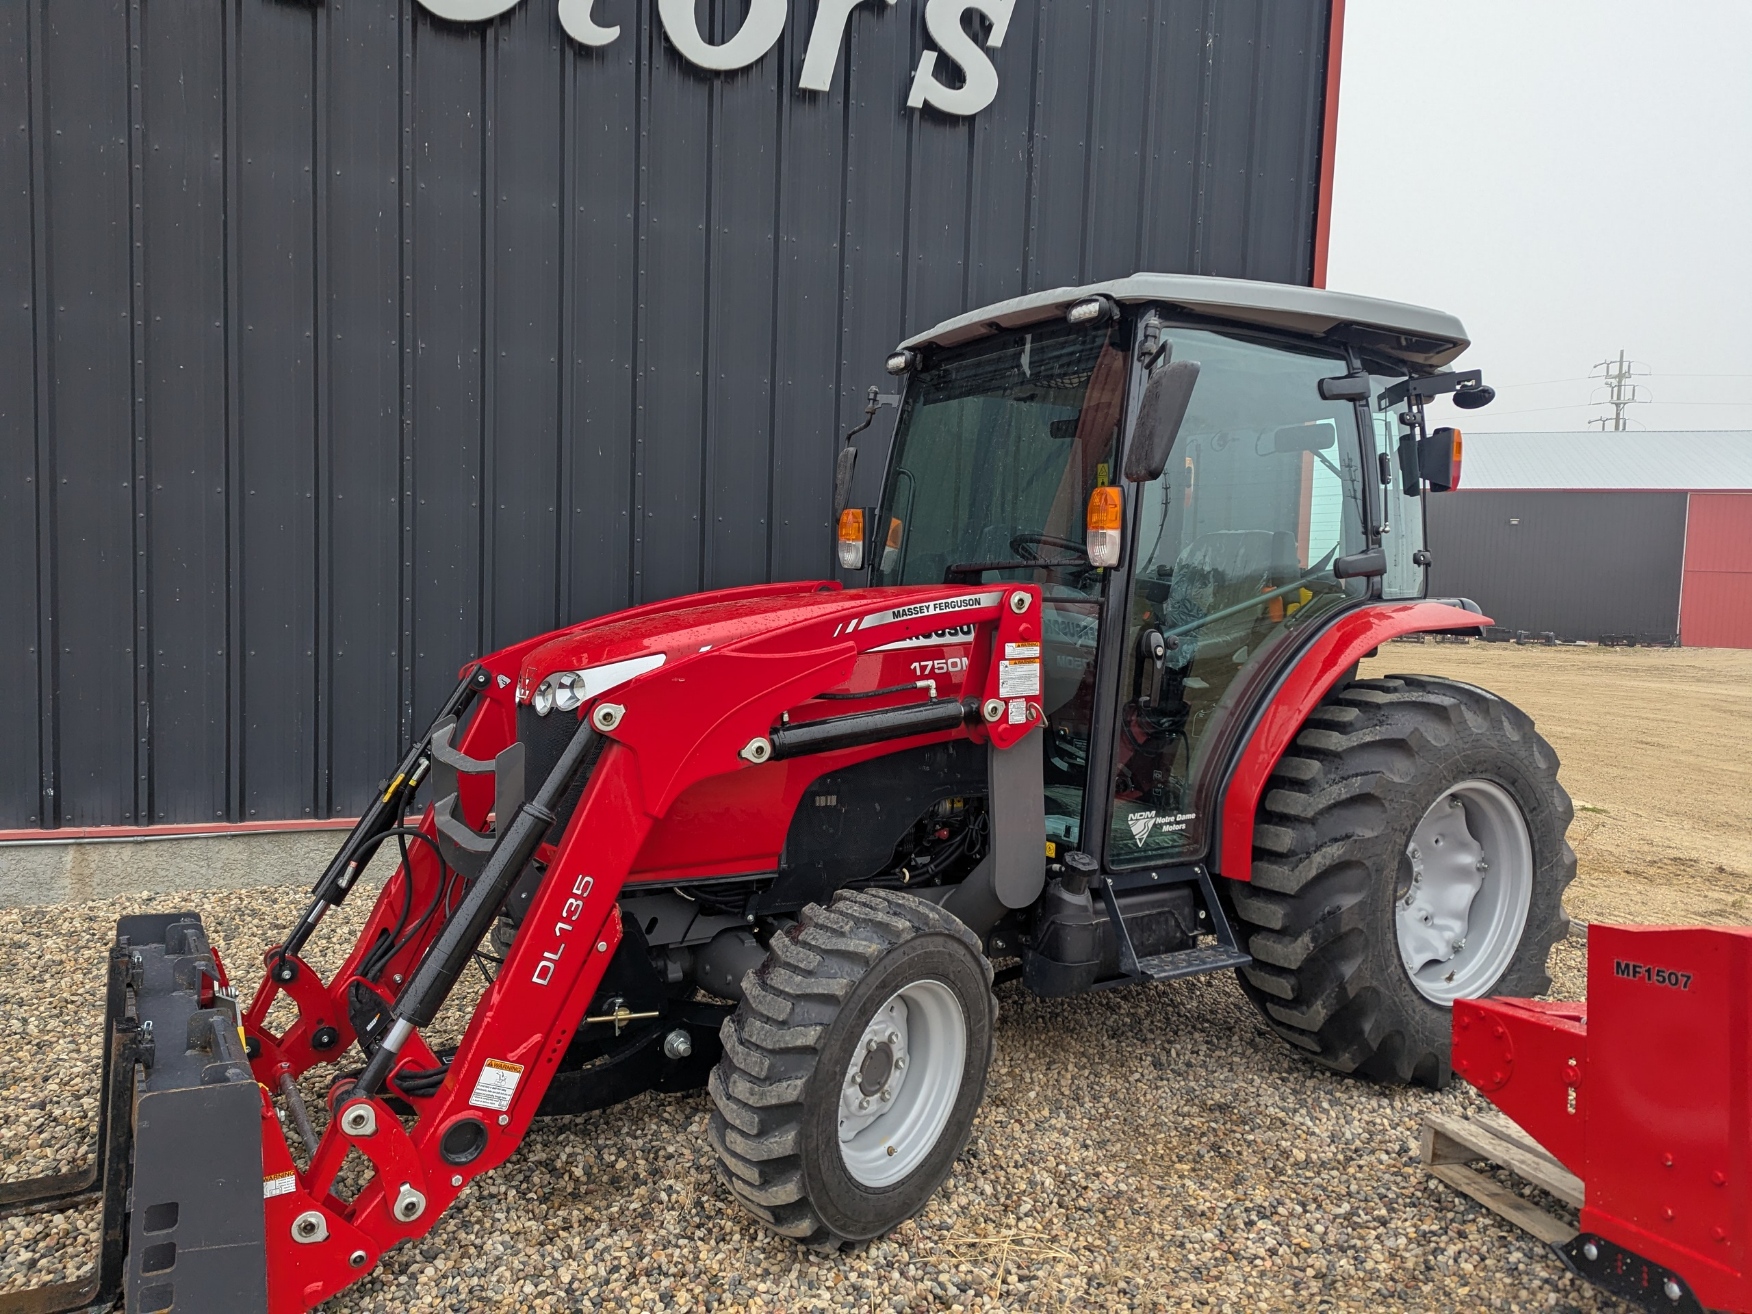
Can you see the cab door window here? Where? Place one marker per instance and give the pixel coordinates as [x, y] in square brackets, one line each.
[1235, 549]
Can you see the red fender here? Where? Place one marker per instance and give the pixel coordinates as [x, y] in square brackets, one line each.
[1344, 643]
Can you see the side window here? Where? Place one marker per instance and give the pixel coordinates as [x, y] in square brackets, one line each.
[1235, 548]
[1402, 535]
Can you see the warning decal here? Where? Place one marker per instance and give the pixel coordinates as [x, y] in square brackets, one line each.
[496, 1085]
[1019, 679]
[279, 1184]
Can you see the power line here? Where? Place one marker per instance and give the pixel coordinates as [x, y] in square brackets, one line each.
[1621, 390]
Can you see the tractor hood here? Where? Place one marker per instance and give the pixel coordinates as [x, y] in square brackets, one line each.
[604, 653]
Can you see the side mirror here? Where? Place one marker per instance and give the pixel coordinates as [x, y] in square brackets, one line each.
[843, 466]
[1345, 387]
[1166, 397]
[1438, 460]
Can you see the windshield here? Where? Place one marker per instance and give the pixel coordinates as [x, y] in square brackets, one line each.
[997, 450]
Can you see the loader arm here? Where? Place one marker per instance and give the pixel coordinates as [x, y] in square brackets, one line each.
[427, 1119]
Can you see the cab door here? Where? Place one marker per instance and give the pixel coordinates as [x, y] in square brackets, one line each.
[1233, 550]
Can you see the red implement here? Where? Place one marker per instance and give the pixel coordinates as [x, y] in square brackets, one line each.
[1643, 1093]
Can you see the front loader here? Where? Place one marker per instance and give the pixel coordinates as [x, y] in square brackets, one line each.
[1083, 712]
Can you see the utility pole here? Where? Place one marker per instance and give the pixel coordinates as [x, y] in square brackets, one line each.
[1620, 389]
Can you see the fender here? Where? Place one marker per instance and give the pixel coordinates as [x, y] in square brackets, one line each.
[1333, 652]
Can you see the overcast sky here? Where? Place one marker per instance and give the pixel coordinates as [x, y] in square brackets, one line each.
[1570, 177]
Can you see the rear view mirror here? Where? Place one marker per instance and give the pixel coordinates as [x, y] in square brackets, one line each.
[842, 477]
[1166, 397]
[1319, 436]
[1345, 387]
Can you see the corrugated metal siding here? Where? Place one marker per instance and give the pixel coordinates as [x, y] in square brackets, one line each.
[1673, 459]
[338, 343]
[1577, 564]
[1716, 608]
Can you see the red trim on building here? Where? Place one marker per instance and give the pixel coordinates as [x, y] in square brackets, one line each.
[1328, 141]
[1715, 597]
[66, 833]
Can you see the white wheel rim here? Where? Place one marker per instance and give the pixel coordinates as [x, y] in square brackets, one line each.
[1460, 919]
[900, 1087]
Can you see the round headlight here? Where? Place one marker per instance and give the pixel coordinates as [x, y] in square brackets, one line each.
[543, 702]
[567, 693]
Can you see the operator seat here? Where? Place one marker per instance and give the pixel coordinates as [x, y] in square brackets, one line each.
[1219, 570]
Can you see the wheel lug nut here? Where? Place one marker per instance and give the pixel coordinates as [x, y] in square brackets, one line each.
[1482, 865]
[869, 1046]
[887, 1094]
[894, 1037]
[899, 1064]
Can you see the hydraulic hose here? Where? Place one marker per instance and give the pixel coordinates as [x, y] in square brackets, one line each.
[436, 975]
[383, 813]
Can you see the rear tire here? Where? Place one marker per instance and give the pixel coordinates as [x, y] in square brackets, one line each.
[853, 1068]
[1332, 914]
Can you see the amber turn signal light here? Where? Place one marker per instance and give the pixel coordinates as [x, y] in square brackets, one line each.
[1101, 526]
[851, 538]
[1439, 460]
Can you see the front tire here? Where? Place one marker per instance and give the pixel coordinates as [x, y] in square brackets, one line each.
[1409, 850]
[854, 1067]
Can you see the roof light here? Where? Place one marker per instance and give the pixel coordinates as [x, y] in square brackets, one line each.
[851, 538]
[1091, 310]
[902, 361]
[1101, 526]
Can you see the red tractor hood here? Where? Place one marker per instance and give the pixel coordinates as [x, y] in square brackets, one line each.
[684, 627]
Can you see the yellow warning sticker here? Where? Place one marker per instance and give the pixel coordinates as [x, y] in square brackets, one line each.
[279, 1184]
[496, 1085]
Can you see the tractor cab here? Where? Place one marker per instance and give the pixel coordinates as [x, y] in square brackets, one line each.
[1175, 582]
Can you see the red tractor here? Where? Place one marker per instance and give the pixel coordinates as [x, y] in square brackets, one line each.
[1089, 717]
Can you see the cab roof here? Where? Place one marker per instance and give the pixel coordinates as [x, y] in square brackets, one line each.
[1422, 339]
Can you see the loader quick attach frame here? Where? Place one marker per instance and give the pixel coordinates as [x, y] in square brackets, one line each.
[206, 1206]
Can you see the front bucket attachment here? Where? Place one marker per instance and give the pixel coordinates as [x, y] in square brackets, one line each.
[178, 1160]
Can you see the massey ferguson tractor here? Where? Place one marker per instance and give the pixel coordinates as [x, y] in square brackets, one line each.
[1084, 714]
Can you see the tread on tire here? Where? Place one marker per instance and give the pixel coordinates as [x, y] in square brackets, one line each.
[776, 1090]
[1328, 845]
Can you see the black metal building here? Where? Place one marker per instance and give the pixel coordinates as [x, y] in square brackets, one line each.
[1574, 564]
[339, 342]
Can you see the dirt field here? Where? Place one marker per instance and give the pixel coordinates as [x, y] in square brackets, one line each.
[1655, 750]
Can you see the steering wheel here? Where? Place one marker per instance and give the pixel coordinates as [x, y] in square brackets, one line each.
[1026, 546]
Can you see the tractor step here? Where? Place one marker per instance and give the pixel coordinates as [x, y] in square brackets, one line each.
[1191, 962]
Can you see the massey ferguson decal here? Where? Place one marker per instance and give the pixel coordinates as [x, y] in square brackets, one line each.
[965, 602]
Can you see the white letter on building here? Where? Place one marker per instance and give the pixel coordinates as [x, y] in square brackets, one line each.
[943, 21]
[575, 18]
[759, 33]
[825, 39]
[469, 11]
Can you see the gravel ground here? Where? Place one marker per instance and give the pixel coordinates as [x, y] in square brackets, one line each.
[1150, 1148]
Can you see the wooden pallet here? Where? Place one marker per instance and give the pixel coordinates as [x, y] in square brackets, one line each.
[1449, 1144]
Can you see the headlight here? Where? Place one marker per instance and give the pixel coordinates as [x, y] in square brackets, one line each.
[568, 690]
